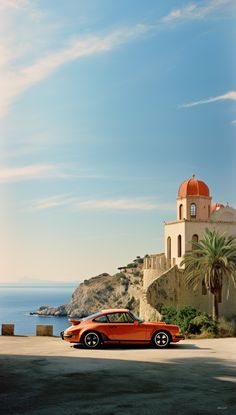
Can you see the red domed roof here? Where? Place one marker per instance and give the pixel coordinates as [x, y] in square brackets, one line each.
[193, 187]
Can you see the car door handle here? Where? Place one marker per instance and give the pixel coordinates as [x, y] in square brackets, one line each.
[113, 327]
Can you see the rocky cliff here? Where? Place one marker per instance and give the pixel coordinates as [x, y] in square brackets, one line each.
[121, 290]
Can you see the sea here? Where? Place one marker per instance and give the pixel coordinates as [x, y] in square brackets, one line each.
[17, 301]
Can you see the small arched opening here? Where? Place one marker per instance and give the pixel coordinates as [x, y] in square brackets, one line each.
[180, 211]
[194, 239]
[169, 247]
[179, 246]
[193, 210]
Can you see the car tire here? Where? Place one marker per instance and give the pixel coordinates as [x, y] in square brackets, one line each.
[91, 340]
[161, 339]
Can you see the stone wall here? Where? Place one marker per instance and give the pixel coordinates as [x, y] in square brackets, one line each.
[169, 289]
[165, 286]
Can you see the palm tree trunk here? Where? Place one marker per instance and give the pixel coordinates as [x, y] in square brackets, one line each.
[215, 306]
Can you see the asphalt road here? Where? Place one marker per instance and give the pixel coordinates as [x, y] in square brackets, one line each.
[47, 376]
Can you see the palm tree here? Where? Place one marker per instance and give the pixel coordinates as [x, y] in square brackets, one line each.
[213, 262]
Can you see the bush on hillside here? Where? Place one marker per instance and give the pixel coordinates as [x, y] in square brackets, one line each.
[132, 265]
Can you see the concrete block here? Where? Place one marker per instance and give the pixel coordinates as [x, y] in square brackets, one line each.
[8, 329]
[44, 330]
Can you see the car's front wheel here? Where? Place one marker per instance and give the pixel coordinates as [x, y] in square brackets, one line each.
[91, 340]
[161, 339]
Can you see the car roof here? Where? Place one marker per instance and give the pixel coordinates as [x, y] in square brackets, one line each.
[116, 310]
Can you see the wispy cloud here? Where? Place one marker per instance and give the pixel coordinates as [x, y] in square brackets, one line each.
[76, 203]
[45, 171]
[195, 11]
[116, 204]
[51, 202]
[16, 77]
[15, 82]
[14, 174]
[233, 122]
[21, 6]
[231, 96]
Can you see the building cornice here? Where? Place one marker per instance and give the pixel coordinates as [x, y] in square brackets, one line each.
[199, 221]
[194, 197]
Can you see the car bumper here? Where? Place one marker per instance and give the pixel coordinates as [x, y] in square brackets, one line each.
[178, 337]
[65, 336]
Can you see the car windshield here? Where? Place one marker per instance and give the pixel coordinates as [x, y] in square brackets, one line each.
[136, 317]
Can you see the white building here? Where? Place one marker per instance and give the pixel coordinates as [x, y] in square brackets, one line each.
[195, 213]
[163, 283]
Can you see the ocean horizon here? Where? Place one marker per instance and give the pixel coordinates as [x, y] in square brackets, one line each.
[18, 300]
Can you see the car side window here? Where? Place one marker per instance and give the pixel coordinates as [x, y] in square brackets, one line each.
[129, 318]
[119, 318]
[101, 319]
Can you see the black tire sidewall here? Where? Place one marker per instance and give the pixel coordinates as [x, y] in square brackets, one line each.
[84, 341]
[157, 345]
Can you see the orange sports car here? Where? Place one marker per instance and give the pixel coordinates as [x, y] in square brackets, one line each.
[120, 326]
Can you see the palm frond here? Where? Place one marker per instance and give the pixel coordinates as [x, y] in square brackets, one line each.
[212, 258]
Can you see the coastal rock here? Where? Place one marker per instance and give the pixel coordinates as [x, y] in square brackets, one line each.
[52, 311]
[122, 290]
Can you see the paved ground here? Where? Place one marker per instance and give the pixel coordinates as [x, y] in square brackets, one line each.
[47, 376]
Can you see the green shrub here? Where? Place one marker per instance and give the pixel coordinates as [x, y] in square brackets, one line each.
[169, 314]
[139, 260]
[132, 265]
[120, 275]
[226, 328]
[203, 323]
[193, 322]
[109, 287]
[190, 320]
[180, 316]
[185, 315]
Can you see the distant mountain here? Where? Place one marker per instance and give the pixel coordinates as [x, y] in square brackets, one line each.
[28, 280]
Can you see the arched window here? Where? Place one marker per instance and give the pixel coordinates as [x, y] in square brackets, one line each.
[179, 246]
[193, 210]
[180, 211]
[169, 247]
[195, 239]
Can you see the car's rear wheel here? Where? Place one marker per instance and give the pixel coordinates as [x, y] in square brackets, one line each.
[91, 340]
[161, 339]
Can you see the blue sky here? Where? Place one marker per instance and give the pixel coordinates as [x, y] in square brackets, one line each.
[105, 108]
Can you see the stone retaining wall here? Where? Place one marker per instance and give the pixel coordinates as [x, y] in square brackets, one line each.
[41, 330]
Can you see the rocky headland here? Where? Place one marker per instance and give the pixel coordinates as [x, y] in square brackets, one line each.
[121, 290]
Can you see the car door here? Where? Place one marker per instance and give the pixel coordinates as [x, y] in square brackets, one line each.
[122, 327]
